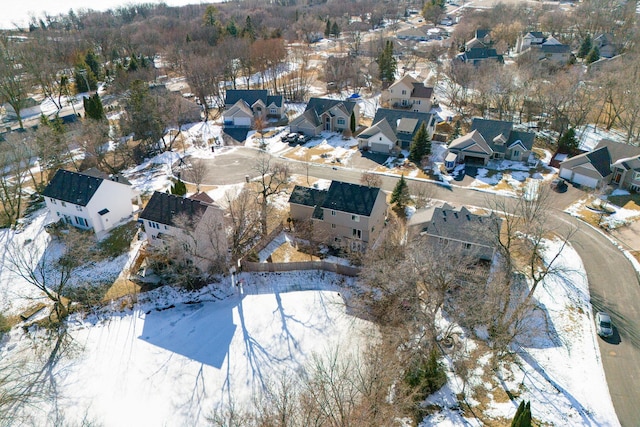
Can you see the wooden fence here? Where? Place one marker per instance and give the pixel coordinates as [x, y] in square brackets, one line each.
[271, 267]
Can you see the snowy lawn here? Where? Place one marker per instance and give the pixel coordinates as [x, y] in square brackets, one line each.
[178, 356]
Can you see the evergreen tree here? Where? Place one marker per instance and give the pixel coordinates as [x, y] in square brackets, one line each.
[400, 195]
[210, 18]
[231, 29]
[248, 30]
[585, 47]
[94, 65]
[593, 56]
[420, 146]
[327, 29]
[457, 131]
[352, 125]
[179, 188]
[387, 63]
[93, 108]
[83, 76]
[335, 30]
[568, 142]
[522, 418]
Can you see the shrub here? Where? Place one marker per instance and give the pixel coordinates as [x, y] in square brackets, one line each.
[4, 325]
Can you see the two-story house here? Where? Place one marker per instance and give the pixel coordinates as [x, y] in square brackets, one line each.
[195, 222]
[242, 106]
[322, 114]
[408, 94]
[492, 139]
[88, 202]
[394, 130]
[346, 215]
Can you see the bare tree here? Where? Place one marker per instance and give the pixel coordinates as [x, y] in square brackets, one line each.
[272, 178]
[204, 73]
[14, 83]
[422, 193]
[371, 179]
[243, 220]
[15, 169]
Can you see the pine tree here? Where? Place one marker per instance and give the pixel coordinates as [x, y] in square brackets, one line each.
[335, 30]
[327, 29]
[457, 131]
[179, 188]
[567, 142]
[400, 195]
[231, 28]
[593, 56]
[248, 30]
[387, 63]
[93, 108]
[420, 146]
[522, 418]
[352, 125]
[585, 47]
[94, 65]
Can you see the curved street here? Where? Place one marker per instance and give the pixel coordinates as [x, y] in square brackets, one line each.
[613, 282]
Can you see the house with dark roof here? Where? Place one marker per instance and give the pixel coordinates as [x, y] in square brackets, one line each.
[345, 215]
[88, 202]
[322, 114]
[481, 39]
[408, 94]
[479, 55]
[462, 230]
[193, 221]
[609, 162]
[394, 130]
[543, 48]
[242, 106]
[492, 139]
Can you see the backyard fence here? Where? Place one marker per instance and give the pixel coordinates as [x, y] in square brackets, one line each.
[301, 265]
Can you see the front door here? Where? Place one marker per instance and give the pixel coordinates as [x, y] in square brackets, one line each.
[616, 176]
[327, 123]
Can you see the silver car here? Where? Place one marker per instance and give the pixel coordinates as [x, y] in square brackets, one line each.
[604, 325]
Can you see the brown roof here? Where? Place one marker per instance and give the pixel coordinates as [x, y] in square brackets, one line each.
[202, 197]
[421, 91]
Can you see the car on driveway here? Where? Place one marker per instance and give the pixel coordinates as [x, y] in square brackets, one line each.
[559, 185]
[604, 327]
[290, 138]
[303, 139]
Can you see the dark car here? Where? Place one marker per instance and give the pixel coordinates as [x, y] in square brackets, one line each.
[559, 185]
[290, 138]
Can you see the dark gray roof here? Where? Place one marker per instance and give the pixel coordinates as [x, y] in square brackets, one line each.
[537, 34]
[307, 196]
[618, 150]
[462, 225]
[72, 187]
[480, 34]
[317, 106]
[421, 91]
[351, 198]
[555, 48]
[393, 116]
[163, 208]
[600, 159]
[490, 129]
[250, 96]
[481, 53]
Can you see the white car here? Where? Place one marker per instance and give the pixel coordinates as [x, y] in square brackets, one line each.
[604, 325]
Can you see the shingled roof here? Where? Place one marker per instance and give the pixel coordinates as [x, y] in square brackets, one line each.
[351, 198]
[163, 208]
[395, 117]
[72, 187]
[307, 196]
[491, 129]
[250, 96]
[317, 106]
[461, 225]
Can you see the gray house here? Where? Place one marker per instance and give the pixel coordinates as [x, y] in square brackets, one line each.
[347, 215]
[242, 106]
[492, 139]
[460, 229]
[394, 130]
[324, 114]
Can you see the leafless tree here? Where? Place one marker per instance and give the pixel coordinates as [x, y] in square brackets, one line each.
[371, 179]
[14, 83]
[204, 73]
[272, 179]
[243, 220]
[15, 170]
[422, 193]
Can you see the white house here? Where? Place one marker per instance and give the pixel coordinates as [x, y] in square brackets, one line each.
[88, 202]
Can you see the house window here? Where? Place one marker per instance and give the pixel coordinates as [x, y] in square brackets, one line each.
[63, 204]
[417, 102]
[154, 225]
[273, 111]
[467, 246]
[404, 92]
[341, 121]
[636, 176]
[444, 241]
[53, 201]
[356, 234]
[515, 153]
[333, 226]
[333, 213]
[79, 208]
[355, 218]
[81, 222]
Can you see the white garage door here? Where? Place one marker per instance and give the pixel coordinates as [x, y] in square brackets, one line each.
[379, 148]
[565, 173]
[242, 121]
[585, 180]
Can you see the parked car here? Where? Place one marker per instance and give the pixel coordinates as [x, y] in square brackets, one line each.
[559, 185]
[290, 138]
[604, 327]
[303, 139]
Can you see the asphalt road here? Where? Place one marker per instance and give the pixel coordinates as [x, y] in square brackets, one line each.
[613, 283]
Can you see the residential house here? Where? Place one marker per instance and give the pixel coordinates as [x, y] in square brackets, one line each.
[609, 162]
[195, 221]
[462, 230]
[481, 39]
[492, 139]
[322, 114]
[544, 48]
[408, 94]
[606, 46]
[419, 34]
[479, 55]
[243, 106]
[88, 202]
[394, 130]
[346, 215]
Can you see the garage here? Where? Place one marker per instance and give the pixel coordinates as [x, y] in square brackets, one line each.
[473, 160]
[242, 121]
[379, 147]
[584, 180]
[584, 175]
